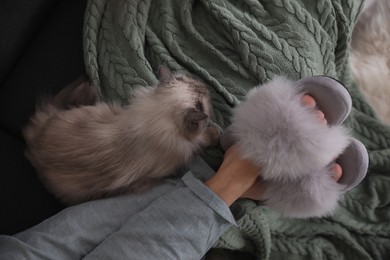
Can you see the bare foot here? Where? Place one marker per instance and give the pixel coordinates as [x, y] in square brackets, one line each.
[310, 102]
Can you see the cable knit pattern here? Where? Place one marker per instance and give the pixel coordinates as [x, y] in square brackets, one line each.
[234, 45]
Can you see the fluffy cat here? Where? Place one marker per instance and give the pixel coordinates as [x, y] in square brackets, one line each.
[89, 152]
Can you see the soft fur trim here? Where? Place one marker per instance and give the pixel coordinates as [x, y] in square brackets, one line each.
[274, 130]
[314, 195]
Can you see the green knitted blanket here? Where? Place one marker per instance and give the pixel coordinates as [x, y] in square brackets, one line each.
[234, 45]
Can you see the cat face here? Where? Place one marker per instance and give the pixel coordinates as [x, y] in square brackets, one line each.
[189, 100]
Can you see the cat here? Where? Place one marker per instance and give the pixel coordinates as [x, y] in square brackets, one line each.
[93, 151]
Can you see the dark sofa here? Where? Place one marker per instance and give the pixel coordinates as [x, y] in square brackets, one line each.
[40, 52]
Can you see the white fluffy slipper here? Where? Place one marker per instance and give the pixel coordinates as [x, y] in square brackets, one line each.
[294, 149]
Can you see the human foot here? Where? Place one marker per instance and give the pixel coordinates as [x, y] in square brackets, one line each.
[310, 102]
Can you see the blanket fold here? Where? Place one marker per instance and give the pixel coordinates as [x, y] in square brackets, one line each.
[234, 45]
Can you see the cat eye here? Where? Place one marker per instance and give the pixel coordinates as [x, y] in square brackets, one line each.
[199, 106]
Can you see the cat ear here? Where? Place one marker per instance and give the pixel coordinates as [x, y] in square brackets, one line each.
[164, 74]
[78, 93]
[192, 119]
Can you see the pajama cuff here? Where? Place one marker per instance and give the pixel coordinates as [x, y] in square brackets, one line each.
[208, 197]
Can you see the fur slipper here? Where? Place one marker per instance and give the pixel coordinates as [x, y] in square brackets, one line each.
[317, 194]
[276, 131]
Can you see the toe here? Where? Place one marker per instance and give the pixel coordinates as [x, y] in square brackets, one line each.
[308, 101]
[337, 172]
[321, 116]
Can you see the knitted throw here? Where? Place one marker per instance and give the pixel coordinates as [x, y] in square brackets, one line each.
[234, 45]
